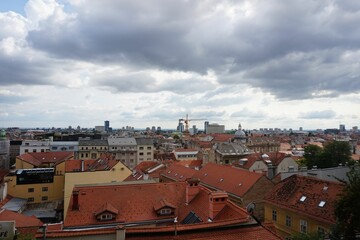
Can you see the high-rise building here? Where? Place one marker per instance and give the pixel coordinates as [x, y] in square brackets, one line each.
[107, 125]
[342, 127]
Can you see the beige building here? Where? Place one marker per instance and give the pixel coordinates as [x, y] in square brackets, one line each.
[145, 150]
[102, 170]
[124, 149]
[92, 148]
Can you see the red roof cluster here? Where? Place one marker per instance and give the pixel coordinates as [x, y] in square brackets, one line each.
[136, 202]
[39, 158]
[306, 195]
[24, 224]
[232, 180]
[177, 172]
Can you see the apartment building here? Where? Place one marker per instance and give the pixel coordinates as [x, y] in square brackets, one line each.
[92, 149]
[124, 149]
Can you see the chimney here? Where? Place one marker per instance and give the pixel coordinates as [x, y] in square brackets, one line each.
[192, 189]
[82, 165]
[75, 205]
[217, 201]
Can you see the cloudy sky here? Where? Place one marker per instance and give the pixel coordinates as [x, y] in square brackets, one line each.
[285, 64]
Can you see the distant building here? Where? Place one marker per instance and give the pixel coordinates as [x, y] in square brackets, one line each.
[214, 128]
[92, 149]
[342, 128]
[100, 128]
[4, 151]
[107, 126]
[28, 146]
[124, 149]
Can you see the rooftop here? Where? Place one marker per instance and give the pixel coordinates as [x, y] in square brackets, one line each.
[232, 180]
[306, 195]
[39, 158]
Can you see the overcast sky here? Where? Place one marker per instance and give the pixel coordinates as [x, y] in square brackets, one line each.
[264, 63]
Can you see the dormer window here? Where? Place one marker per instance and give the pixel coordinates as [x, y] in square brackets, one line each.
[165, 211]
[104, 217]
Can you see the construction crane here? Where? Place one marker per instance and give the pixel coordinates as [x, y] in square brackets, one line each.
[187, 120]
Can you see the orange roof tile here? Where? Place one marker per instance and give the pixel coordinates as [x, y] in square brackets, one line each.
[90, 165]
[227, 178]
[38, 158]
[219, 137]
[21, 221]
[177, 172]
[137, 205]
[306, 195]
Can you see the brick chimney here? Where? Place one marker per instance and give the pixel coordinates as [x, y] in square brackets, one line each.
[192, 189]
[75, 205]
[217, 201]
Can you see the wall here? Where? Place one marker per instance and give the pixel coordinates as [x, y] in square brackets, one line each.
[54, 192]
[119, 173]
[256, 195]
[294, 229]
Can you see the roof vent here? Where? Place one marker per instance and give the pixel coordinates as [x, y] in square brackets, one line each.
[221, 179]
[303, 198]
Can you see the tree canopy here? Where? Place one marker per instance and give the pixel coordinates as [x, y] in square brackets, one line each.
[347, 208]
[333, 154]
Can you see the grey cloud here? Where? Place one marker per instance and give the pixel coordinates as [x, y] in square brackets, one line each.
[246, 113]
[326, 114]
[290, 50]
[12, 99]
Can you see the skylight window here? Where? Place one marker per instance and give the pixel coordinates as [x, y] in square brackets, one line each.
[325, 188]
[221, 179]
[302, 199]
[322, 204]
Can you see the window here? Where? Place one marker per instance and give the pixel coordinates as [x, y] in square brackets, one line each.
[322, 204]
[148, 148]
[26, 144]
[165, 211]
[82, 155]
[30, 199]
[303, 226]
[141, 154]
[288, 221]
[30, 189]
[44, 198]
[106, 217]
[148, 153]
[141, 148]
[53, 148]
[26, 150]
[42, 150]
[302, 199]
[45, 189]
[321, 231]
[274, 215]
[34, 150]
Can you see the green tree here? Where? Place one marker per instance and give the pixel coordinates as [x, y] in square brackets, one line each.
[337, 152]
[347, 208]
[333, 154]
[312, 155]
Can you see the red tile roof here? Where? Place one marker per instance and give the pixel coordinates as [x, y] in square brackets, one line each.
[135, 203]
[90, 165]
[152, 168]
[219, 137]
[232, 180]
[318, 196]
[177, 172]
[38, 158]
[21, 221]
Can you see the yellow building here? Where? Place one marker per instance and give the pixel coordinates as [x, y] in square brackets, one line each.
[39, 176]
[302, 205]
[92, 149]
[103, 170]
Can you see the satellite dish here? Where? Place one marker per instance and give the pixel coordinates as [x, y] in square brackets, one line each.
[250, 208]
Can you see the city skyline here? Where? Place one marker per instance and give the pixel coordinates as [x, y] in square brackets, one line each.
[142, 64]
